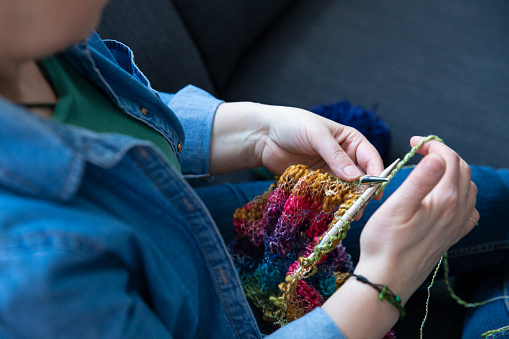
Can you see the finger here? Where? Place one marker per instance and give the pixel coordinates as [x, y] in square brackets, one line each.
[434, 146]
[359, 214]
[465, 181]
[453, 161]
[471, 222]
[419, 183]
[472, 199]
[368, 158]
[360, 150]
[475, 217]
[337, 159]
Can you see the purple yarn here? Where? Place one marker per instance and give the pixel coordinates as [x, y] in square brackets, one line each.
[366, 122]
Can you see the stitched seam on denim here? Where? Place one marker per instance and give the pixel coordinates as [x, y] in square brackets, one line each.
[482, 248]
[214, 274]
[39, 240]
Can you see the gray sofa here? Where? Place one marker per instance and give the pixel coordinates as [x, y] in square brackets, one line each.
[426, 67]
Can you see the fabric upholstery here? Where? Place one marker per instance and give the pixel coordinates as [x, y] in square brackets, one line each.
[428, 67]
[162, 46]
[224, 29]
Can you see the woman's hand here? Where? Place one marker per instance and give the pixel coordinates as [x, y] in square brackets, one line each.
[250, 135]
[405, 238]
[426, 215]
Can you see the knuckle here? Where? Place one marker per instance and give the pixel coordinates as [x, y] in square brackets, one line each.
[451, 202]
[340, 156]
[453, 158]
[466, 168]
[469, 170]
[474, 187]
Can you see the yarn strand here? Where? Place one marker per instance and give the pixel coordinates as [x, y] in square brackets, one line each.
[465, 304]
[429, 296]
[407, 157]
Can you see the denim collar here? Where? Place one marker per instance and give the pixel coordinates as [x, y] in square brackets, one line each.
[45, 159]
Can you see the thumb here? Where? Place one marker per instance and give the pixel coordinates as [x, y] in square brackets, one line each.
[420, 182]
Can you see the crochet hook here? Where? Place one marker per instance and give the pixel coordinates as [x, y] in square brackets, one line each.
[369, 179]
[357, 205]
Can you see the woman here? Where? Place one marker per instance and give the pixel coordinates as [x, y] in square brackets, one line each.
[101, 236]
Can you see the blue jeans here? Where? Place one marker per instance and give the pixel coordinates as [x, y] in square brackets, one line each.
[480, 260]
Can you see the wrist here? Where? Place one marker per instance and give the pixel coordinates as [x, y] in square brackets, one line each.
[384, 293]
[398, 281]
[358, 312]
[237, 137]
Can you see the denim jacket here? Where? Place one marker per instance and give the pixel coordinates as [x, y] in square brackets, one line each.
[101, 237]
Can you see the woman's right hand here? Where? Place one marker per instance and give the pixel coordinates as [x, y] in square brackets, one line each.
[426, 215]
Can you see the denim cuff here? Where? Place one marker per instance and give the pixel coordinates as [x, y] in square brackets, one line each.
[317, 321]
[195, 109]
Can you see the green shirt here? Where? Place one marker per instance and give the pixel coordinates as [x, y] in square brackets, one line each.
[82, 104]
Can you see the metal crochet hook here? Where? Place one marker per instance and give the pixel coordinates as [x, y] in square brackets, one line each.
[369, 179]
[358, 204]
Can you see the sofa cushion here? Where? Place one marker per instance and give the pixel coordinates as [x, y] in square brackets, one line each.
[430, 67]
[224, 29]
[160, 41]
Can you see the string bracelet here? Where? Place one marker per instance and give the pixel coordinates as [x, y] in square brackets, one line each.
[384, 293]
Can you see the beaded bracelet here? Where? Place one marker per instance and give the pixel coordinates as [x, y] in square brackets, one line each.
[384, 293]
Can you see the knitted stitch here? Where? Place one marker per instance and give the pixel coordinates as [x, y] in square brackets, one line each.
[276, 236]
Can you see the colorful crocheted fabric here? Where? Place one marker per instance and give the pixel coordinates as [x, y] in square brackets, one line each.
[283, 272]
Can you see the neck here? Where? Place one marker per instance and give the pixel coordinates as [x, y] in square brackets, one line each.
[24, 83]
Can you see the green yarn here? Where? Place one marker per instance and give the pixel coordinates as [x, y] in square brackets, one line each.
[458, 299]
[492, 332]
[407, 157]
[429, 295]
[395, 301]
[463, 303]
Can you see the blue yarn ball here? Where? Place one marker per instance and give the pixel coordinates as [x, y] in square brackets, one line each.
[366, 122]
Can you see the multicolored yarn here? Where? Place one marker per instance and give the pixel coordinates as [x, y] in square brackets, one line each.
[283, 271]
[277, 237]
[284, 224]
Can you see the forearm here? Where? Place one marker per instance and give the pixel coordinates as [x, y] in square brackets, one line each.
[238, 137]
[357, 311]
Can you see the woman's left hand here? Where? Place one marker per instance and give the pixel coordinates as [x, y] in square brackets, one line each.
[250, 135]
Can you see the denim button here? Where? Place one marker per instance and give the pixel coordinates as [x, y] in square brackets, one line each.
[179, 147]
[188, 204]
[143, 153]
[144, 111]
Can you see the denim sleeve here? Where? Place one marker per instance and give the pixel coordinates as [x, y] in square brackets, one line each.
[317, 321]
[195, 109]
[57, 288]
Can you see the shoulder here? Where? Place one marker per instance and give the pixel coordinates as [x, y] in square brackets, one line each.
[31, 225]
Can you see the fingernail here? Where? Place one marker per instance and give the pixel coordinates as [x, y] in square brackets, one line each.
[352, 172]
[434, 164]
